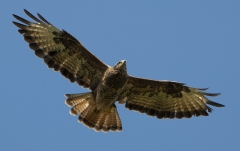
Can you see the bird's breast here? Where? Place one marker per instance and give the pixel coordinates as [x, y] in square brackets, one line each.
[108, 90]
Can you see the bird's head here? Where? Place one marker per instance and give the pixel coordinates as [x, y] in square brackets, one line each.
[121, 65]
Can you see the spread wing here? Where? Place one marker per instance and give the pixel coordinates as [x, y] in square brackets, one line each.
[165, 99]
[61, 51]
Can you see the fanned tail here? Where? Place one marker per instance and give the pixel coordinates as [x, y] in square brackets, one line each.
[84, 105]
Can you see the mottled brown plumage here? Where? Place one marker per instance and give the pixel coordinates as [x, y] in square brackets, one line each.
[96, 109]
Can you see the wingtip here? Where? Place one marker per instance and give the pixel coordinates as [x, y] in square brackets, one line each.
[25, 11]
[15, 16]
[203, 89]
[212, 94]
[215, 104]
[42, 18]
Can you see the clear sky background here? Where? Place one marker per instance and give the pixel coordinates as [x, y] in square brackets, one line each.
[196, 42]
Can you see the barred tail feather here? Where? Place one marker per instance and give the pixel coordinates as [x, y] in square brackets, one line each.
[84, 106]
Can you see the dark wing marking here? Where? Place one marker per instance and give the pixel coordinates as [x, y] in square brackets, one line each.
[165, 99]
[61, 51]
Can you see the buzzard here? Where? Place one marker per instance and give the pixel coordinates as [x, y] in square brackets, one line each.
[97, 109]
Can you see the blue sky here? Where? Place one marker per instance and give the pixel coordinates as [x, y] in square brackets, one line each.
[194, 42]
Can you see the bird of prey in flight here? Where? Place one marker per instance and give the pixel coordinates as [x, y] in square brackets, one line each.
[108, 84]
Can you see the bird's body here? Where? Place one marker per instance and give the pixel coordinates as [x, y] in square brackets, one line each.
[112, 84]
[96, 109]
